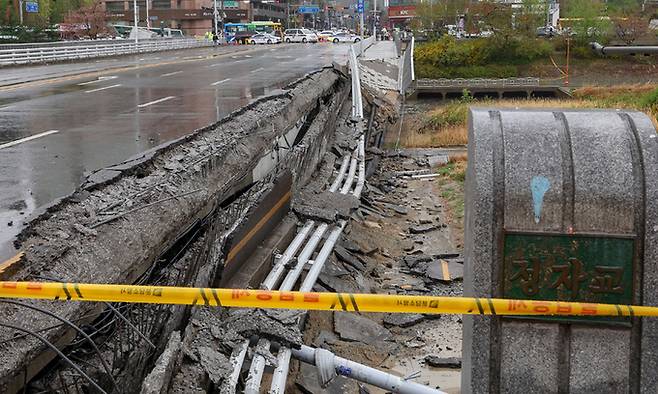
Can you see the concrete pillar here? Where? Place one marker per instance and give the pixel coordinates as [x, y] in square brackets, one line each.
[561, 205]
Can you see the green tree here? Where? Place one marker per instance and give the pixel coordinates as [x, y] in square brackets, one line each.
[591, 23]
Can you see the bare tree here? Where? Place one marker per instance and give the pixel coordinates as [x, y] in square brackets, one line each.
[90, 20]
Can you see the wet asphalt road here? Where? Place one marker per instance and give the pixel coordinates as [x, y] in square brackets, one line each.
[85, 116]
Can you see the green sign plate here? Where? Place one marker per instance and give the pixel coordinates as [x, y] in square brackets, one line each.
[569, 268]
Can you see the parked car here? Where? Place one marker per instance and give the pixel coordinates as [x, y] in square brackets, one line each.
[547, 31]
[344, 37]
[326, 35]
[264, 38]
[299, 35]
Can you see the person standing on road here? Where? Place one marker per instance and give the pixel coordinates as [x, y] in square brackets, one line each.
[215, 38]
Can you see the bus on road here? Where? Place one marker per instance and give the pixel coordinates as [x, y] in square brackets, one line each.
[231, 29]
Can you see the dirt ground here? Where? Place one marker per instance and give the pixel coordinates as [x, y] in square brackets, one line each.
[404, 232]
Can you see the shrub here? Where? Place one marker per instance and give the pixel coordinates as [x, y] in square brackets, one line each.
[479, 58]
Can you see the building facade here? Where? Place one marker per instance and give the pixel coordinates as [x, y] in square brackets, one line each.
[194, 17]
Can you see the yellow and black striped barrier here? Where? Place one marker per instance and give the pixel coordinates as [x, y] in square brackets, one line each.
[241, 298]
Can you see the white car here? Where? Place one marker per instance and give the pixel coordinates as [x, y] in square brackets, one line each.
[344, 37]
[299, 35]
[264, 38]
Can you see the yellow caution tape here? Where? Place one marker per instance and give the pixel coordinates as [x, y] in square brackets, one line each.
[242, 298]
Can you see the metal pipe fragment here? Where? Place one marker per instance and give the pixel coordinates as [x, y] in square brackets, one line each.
[366, 374]
[624, 50]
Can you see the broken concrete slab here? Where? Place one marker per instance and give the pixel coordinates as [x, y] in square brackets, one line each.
[344, 256]
[445, 271]
[403, 320]
[356, 328]
[423, 228]
[443, 362]
[325, 205]
[157, 382]
[214, 363]
[325, 338]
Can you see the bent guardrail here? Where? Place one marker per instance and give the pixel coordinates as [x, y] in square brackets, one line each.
[16, 54]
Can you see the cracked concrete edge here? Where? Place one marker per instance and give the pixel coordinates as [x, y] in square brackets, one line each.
[96, 260]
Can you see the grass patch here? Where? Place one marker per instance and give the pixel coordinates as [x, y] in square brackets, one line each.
[445, 125]
[451, 186]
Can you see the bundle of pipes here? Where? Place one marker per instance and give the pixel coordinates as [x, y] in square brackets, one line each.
[271, 282]
[346, 177]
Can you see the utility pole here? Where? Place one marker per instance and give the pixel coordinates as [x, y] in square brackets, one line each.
[20, 10]
[148, 21]
[135, 21]
[215, 14]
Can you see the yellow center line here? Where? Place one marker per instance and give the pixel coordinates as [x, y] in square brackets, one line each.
[261, 223]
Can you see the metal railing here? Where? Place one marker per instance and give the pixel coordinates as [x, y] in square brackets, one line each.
[361, 46]
[406, 73]
[476, 82]
[15, 54]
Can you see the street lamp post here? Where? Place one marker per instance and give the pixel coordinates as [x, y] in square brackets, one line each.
[135, 21]
[148, 21]
[20, 10]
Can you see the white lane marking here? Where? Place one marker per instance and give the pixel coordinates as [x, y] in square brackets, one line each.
[247, 55]
[218, 82]
[100, 79]
[273, 49]
[234, 57]
[32, 137]
[256, 70]
[170, 74]
[155, 101]
[103, 88]
[214, 65]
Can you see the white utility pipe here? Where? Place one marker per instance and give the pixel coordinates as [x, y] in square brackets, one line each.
[280, 374]
[237, 359]
[350, 175]
[252, 385]
[361, 181]
[322, 257]
[275, 274]
[365, 374]
[303, 258]
[258, 362]
[341, 174]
